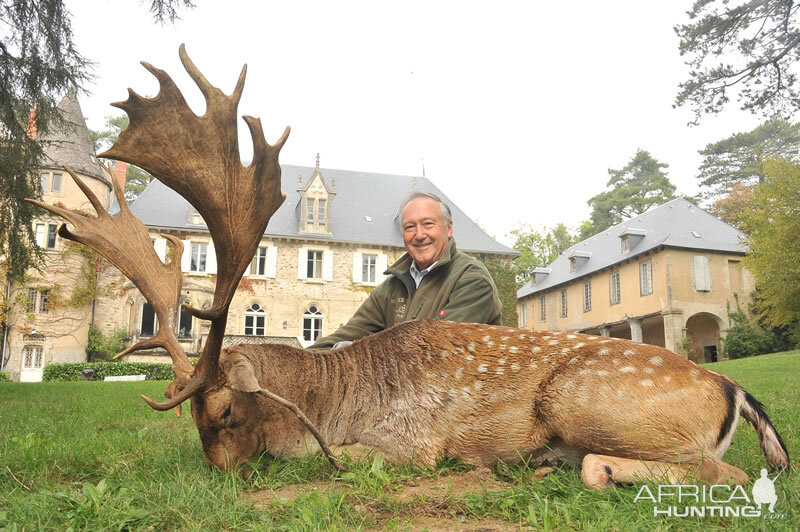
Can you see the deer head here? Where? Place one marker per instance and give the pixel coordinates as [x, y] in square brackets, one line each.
[198, 157]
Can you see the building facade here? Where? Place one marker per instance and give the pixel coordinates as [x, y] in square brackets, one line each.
[668, 277]
[323, 251]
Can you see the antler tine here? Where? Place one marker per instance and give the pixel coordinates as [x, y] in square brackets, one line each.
[125, 242]
[207, 172]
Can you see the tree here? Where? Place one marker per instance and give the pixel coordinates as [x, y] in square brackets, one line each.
[740, 157]
[750, 47]
[538, 248]
[641, 184]
[734, 209]
[136, 179]
[38, 64]
[774, 256]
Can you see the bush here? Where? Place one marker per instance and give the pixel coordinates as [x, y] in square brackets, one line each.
[4, 376]
[101, 347]
[71, 371]
[745, 339]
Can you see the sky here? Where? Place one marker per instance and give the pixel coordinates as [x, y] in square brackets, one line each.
[515, 110]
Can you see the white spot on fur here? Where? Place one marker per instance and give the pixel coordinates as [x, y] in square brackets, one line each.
[513, 349]
[483, 368]
[515, 366]
[459, 373]
[565, 351]
[487, 338]
[443, 355]
[490, 343]
[522, 336]
[500, 371]
[605, 341]
[478, 385]
[602, 373]
[571, 336]
[533, 365]
[591, 337]
[469, 358]
[667, 378]
[603, 352]
[471, 346]
[629, 352]
[590, 362]
[453, 393]
[646, 382]
[558, 332]
[504, 338]
[627, 369]
[586, 372]
[578, 345]
[573, 361]
[536, 349]
[502, 361]
[428, 357]
[656, 361]
[649, 371]
[546, 337]
[615, 361]
[553, 342]
[693, 373]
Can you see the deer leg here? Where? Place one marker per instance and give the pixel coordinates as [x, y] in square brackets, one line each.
[599, 472]
[355, 451]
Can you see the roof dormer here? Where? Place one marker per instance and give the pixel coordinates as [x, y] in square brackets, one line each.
[577, 259]
[630, 238]
[315, 203]
[540, 274]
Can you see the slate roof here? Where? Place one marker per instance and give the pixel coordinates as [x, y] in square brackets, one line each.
[71, 145]
[358, 195]
[677, 224]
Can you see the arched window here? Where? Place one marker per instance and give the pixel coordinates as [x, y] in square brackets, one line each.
[184, 320]
[148, 320]
[312, 324]
[255, 319]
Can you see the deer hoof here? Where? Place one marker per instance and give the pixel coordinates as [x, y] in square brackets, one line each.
[596, 473]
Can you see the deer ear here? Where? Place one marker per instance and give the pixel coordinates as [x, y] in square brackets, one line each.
[241, 375]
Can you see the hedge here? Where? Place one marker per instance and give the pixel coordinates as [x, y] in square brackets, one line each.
[71, 371]
[4, 377]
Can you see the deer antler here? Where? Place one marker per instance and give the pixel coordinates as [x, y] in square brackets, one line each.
[198, 157]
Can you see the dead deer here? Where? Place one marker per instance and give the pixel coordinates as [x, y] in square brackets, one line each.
[419, 391]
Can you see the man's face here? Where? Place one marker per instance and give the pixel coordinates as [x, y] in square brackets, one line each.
[425, 234]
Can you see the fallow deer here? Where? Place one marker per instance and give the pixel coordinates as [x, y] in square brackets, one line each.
[419, 391]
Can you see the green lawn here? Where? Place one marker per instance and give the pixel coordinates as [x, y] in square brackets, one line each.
[92, 455]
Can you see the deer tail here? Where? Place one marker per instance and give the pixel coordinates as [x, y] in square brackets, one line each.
[771, 443]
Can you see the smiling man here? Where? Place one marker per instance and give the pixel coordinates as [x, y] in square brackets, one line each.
[432, 281]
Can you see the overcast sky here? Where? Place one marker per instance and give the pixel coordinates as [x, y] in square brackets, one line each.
[515, 109]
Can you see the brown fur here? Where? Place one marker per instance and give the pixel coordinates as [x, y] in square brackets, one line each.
[429, 389]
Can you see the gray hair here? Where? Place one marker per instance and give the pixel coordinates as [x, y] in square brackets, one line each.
[446, 214]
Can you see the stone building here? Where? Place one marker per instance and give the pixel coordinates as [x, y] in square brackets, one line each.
[323, 251]
[670, 274]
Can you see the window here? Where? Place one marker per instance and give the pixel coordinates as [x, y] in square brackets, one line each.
[542, 309]
[30, 301]
[321, 207]
[55, 185]
[259, 264]
[45, 180]
[563, 302]
[314, 265]
[148, 320]
[33, 357]
[312, 324]
[310, 209]
[198, 261]
[702, 274]
[523, 315]
[624, 243]
[184, 321]
[572, 265]
[646, 278]
[614, 293]
[255, 319]
[43, 307]
[587, 295]
[40, 235]
[368, 267]
[51, 236]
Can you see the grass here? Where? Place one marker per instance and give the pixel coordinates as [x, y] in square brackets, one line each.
[92, 455]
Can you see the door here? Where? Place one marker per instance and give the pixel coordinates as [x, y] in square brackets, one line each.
[32, 364]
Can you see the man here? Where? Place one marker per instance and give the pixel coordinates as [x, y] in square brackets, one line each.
[432, 281]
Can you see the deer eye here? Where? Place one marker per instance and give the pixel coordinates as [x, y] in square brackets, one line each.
[226, 416]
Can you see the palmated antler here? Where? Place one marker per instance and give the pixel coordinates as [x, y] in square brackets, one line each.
[198, 157]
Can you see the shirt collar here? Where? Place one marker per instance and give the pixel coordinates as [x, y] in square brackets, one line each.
[418, 274]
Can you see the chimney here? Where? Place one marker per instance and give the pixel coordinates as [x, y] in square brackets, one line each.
[31, 129]
[120, 172]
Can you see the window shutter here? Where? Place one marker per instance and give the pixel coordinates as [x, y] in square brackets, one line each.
[702, 275]
[186, 258]
[327, 265]
[272, 262]
[380, 267]
[160, 246]
[302, 259]
[357, 267]
[211, 258]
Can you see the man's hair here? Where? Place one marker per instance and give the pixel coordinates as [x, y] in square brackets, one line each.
[446, 214]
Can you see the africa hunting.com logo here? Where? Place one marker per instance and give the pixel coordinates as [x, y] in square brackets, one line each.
[719, 500]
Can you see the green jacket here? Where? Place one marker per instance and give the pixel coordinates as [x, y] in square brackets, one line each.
[458, 288]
